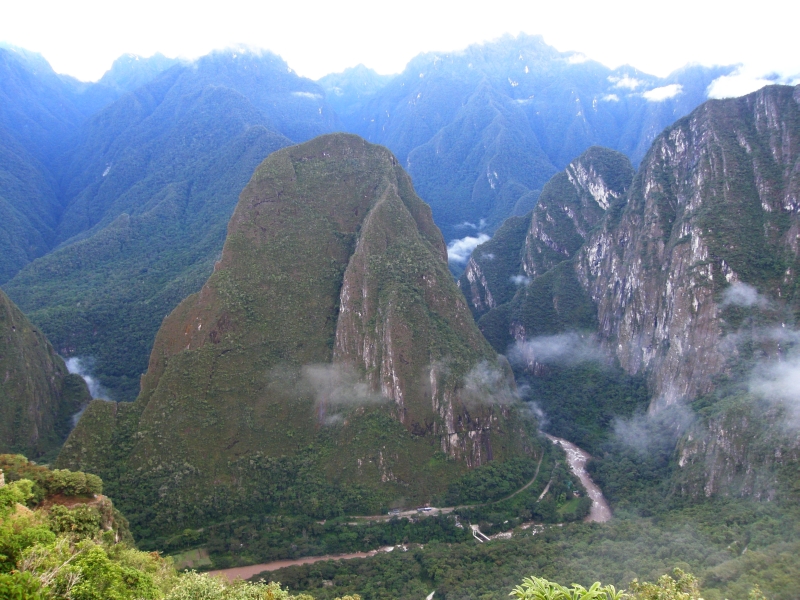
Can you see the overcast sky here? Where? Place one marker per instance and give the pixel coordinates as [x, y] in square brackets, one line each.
[83, 37]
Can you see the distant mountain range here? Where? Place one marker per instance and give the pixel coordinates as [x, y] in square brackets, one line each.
[482, 130]
[116, 194]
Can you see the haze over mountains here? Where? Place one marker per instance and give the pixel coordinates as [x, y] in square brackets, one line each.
[141, 190]
[272, 302]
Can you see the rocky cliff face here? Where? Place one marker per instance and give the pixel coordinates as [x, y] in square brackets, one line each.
[331, 322]
[714, 202]
[38, 396]
[572, 203]
[744, 448]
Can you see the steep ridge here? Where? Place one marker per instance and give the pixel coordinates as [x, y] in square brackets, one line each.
[38, 396]
[688, 281]
[328, 364]
[714, 203]
[572, 203]
[150, 190]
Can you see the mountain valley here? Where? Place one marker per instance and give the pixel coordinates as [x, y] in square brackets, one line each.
[270, 286]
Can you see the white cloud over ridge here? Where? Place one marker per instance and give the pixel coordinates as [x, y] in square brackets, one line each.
[459, 251]
[747, 79]
[565, 349]
[666, 92]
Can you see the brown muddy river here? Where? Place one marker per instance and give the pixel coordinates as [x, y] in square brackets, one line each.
[577, 458]
[249, 571]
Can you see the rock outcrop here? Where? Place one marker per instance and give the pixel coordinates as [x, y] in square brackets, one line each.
[715, 201]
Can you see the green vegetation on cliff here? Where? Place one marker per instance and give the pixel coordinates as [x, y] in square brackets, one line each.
[329, 365]
[38, 396]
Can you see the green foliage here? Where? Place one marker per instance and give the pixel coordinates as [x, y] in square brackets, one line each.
[20, 586]
[17, 492]
[677, 586]
[538, 588]
[492, 481]
[581, 402]
[47, 482]
[81, 521]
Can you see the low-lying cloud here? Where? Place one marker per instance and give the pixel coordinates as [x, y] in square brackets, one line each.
[520, 280]
[459, 251]
[565, 349]
[626, 82]
[336, 388]
[467, 225]
[487, 384]
[779, 383]
[657, 431]
[742, 294]
[80, 366]
[666, 92]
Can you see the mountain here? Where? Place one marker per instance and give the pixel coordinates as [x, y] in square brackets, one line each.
[329, 364]
[41, 113]
[683, 275]
[713, 205]
[38, 396]
[483, 129]
[131, 71]
[148, 192]
[348, 91]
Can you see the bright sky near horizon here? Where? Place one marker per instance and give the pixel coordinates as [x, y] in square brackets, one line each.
[83, 37]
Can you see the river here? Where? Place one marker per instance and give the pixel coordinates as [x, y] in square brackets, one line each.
[577, 458]
[250, 570]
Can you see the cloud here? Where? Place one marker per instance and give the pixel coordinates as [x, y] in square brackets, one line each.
[80, 366]
[666, 92]
[338, 385]
[467, 225]
[566, 349]
[745, 80]
[660, 431]
[742, 294]
[486, 384]
[779, 383]
[459, 251]
[578, 58]
[626, 82]
[610, 98]
[520, 280]
[308, 95]
[336, 388]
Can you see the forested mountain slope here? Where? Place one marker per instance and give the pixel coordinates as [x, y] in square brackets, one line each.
[329, 363]
[688, 280]
[148, 192]
[482, 130]
[38, 397]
